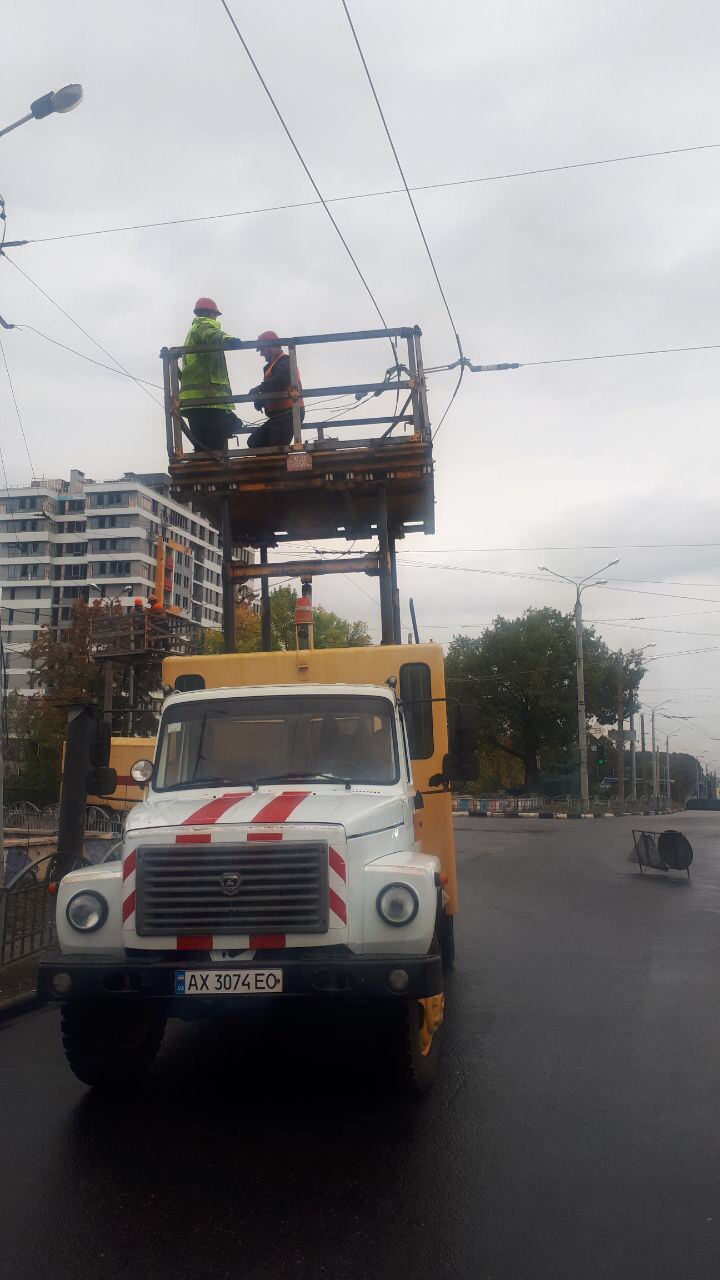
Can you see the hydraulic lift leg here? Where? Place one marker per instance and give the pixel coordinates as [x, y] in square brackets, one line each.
[265, 627]
[385, 566]
[397, 625]
[228, 585]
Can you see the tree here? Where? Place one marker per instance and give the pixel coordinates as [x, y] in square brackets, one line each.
[33, 752]
[521, 675]
[61, 662]
[330, 630]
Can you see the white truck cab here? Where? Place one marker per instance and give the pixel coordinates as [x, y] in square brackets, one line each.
[279, 851]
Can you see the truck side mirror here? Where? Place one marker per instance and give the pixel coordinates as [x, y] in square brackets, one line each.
[449, 772]
[462, 733]
[101, 781]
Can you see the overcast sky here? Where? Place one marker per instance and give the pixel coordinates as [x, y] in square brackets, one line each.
[614, 258]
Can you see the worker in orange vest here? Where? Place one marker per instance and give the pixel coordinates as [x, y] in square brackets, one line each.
[278, 429]
[137, 625]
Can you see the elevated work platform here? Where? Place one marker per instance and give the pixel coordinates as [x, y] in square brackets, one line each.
[334, 495]
[328, 483]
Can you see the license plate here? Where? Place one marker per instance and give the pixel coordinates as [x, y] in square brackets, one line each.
[228, 982]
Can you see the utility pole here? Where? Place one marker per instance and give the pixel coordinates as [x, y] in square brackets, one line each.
[582, 723]
[643, 758]
[633, 762]
[667, 762]
[656, 786]
[2, 751]
[655, 759]
[580, 584]
[621, 732]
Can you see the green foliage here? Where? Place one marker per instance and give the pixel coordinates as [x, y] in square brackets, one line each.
[34, 748]
[521, 675]
[330, 630]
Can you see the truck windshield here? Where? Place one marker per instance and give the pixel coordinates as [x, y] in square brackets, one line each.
[236, 741]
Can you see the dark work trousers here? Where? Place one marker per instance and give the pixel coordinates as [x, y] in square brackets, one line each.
[212, 428]
[278, 430]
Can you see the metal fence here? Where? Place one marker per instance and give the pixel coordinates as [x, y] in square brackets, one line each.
[27, 907]
[516, 806]
[27, 912]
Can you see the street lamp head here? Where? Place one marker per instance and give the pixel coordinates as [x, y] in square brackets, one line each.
[543, 568]
[59, 100]
[67, 98]
[612, 562]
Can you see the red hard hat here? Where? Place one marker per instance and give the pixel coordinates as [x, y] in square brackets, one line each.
[267, 338]
[207, 304]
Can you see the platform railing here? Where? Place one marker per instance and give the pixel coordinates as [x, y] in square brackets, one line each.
[145, 636]
[406, 377]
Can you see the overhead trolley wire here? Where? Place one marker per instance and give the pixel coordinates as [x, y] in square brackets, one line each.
[77, 325]
[17, 409]
[368, 195]
[619, 355]
[309, 175]
[401, 171]
[110, 368]
[416, 215]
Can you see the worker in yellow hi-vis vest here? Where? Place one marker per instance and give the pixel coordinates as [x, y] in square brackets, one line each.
[203, 376]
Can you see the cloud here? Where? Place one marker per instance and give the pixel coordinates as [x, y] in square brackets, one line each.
[615, 258]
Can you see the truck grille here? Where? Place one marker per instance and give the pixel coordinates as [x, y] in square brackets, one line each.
[208, 889]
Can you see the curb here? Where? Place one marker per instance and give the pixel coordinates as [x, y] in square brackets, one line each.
[504, 813]
[28, 1002]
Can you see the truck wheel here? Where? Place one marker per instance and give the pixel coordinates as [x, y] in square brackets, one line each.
[110, 1044]
[422, 1034]
[447, 942]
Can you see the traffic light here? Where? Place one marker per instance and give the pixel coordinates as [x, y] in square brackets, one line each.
[601, 755]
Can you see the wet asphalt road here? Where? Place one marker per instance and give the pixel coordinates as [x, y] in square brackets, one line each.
[574, 1132]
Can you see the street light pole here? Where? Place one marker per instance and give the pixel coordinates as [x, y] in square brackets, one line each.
[582, 722]
[580, 584]
[57, 102]
[620, 767]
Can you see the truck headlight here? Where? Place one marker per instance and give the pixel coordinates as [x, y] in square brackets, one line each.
[86, 911]
[397, 904]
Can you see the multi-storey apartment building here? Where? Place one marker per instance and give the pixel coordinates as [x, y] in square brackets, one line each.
[62, 539]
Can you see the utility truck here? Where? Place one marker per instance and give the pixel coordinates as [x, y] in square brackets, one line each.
[294, 843]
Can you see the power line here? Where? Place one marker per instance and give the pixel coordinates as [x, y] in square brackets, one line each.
[534, 577]
[79, 326]
[619, 355]
[401, 171]
[299, 155]
[31, 329]
[596, 546]
[17, 409]
[684, 653]
[451, 401]
[642, 617]
[371, 195]
[667, 631]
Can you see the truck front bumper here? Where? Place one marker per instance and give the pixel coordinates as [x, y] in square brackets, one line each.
[347, 977]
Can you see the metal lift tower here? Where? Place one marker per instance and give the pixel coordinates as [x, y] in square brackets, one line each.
[321, 486]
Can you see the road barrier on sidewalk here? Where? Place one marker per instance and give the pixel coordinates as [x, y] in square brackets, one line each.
[543, 807]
